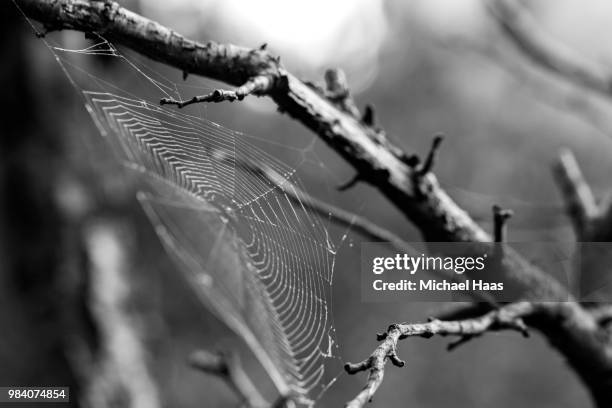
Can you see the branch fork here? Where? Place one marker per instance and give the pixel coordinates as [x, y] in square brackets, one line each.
[505, 318]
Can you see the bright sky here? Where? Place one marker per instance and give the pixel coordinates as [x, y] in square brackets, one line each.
[310, 35]
[317, 34]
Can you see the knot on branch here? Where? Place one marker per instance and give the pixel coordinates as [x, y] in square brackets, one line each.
[337, 91]
[109, 11]
[422, 168]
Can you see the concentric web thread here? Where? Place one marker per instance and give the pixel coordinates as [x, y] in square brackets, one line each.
[233, 218]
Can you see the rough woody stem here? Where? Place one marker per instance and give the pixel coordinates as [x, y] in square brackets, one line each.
[579, 199]
[506, 318]
[414, 189]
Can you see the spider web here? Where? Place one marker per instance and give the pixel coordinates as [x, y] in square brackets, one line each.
[233, 218]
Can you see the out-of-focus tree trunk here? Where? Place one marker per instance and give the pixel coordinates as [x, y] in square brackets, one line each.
[64, 260]
[32, 281]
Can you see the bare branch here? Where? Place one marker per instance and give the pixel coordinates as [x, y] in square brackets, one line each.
[541, 48]
[506, 318]
[413, 189]
[227, 366]
[349, 184]
[431, 156]
[369, 116]
[579, 199]
[259, 86]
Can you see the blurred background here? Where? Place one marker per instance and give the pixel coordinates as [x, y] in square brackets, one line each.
[88, 297]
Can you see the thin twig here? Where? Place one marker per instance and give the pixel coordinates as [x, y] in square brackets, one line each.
[350, 184]
[506, 318]
[227, 366]
[337, 91]
[579, 200]
[431, 156]
[528, 36]
[500, 218]
[258, 85]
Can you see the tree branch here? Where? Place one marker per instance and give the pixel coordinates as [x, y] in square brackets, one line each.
[526, 33]
[227, 366]
[258, 85]
[500, 217]
[592, 223]
[507, 318]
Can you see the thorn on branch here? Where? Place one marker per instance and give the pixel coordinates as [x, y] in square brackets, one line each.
[508, 317]
[398, 362]
[369, 116]
[500, 218]
[349, 184]
[258, 85]
[431, 156]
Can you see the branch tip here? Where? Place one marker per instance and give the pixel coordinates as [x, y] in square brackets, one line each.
[354, 368]
[337, 91]
[258, 85]
[579, 199]
[349, 184]
[431, 156]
